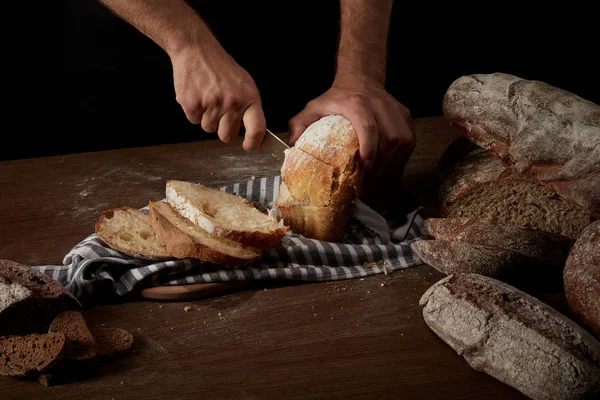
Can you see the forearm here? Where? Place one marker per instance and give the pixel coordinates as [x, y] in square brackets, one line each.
[362, 51]
[172, 24]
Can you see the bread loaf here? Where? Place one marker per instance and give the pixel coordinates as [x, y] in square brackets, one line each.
[321, 176]
[582, 278]
[81, 346]
[475, 184]
[112, 343]
[513, 337]
[543, 131]
[29, 300]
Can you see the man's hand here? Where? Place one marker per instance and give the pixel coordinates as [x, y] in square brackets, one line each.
[212, 88]
[218, 94]
[383, 125]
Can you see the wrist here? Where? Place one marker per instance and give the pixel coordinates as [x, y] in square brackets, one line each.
[198, 40]
[357, 79]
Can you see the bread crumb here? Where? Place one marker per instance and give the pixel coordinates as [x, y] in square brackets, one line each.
[253, 177]
[386, 271]
[187, 308]
[161, 306]
[212, 174]
[383, 284]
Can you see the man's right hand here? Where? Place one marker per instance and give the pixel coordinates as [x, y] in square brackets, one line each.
[217, 93]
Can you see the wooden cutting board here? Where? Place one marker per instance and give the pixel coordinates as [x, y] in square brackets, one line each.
[189, 292]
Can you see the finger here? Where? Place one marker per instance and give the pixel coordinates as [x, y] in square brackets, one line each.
[256, 127]
[368, 137]
[229, 126]
[193, 114]
[210, 119]
[298, 124]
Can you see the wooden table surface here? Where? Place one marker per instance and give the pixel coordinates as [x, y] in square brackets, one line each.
[353, 339]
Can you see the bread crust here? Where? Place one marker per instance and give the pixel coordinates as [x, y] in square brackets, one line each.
[582, 278]
[181, 245]
[321, 177]
[545, 132]
[513, 337]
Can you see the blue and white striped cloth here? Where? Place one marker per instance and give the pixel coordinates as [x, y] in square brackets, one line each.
[92, 270]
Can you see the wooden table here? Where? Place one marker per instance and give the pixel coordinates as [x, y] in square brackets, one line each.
[354, 339]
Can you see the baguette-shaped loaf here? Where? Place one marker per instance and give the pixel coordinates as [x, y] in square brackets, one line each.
[549, 249]
[474, 183]
[513, 337]
[225, 214]
[321, 176]
[543, 131]
[184, 239]
[582, 278]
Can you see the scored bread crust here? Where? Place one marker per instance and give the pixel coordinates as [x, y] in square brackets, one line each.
[169, 226]
[260, 239]
[513, 337]
[106, 226]
[321, 176]
[582, 278]
[544, 132]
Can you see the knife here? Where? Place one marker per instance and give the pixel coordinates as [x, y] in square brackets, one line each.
[372, 219]
[274, 145]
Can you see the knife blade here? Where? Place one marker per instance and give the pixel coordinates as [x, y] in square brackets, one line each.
[274, 145]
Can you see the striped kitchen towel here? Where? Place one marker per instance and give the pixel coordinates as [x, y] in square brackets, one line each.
[92, 270]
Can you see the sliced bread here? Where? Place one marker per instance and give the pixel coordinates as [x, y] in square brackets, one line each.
[26, 355]
[185, 239]
[29, 300]
[128, 230]
[80, 342]
[225, 214]
[475, 184]
[112, 343]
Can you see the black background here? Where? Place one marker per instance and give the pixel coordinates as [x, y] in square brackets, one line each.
[117, 88]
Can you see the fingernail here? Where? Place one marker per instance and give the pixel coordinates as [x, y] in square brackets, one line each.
[368, 164]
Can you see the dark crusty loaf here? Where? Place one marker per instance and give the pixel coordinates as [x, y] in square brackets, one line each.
[474, 183]
[582, 278]
[29, 300]
[27, 355]
[514, 337]
[112, 343]
[543, 131]
[80, 341]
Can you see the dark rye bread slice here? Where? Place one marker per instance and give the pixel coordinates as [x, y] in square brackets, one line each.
[545, 132]
[514, 337]
[475, 184]
[582, 278]
[27, 355]
[29, 300]
[81, 345]
[112, 343]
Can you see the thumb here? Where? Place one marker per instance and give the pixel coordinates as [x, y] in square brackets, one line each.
[302, 120]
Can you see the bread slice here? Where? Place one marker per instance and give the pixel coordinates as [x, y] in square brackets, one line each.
[80, 342]
[128, 230]
[225, 214]
[112, 343]
[184, 239]
[26, 355]
[29, 300]
[475, 184]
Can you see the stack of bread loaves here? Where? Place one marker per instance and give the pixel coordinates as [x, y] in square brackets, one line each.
[195, 221]
[519, 199]
[43, 333]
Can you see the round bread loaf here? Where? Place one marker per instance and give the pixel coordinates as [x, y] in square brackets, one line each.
[321, 176]
[582, 278]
